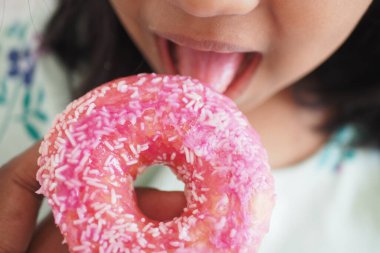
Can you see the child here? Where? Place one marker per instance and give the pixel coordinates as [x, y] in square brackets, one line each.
[304, 74]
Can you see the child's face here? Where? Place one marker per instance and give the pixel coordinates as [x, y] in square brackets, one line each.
[291, 37]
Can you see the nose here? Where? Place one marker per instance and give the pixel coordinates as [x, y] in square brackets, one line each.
[211, 8]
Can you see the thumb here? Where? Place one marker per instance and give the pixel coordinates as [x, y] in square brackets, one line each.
[160, 205]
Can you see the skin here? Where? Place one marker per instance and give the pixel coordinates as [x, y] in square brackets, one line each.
[294, 37]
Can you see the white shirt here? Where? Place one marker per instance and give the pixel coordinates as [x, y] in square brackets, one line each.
[33, 87]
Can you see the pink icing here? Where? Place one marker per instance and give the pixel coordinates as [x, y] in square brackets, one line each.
[103, 140]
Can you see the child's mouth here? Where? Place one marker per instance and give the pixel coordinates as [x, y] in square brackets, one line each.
[226, 72]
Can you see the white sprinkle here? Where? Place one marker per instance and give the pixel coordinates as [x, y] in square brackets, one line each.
[187, 154]
[108, 160]
[154, 232]
[59, 176]
[61, 140]
[105, 89]
[191, 154]
[172, 156]
[155, 137]
[129, 216]
[70, 137]
[156, 80]
[79, 221]
[193, 96]
[98, 205]
[109, 146]
[175, 244]
[131, 162]
[135, 94]
[132, 227]
[81, 212]
[133, 149]
[142, 241]
[198, 105]
[200, 161]
[138, 148]
[55, 199]
[122, 121]
[99, 213]
[134, 104]
[80, 247]
[92, 182]
[113, 196]
[172, 138]
[151, 246]
[141, 81]
[84, 159]
[122, 139]
[89, 101]
[94, 172]
[184, 87]
[199, 176]
[59, 170]
[125, 157]
[144, 147]
[190, 104]
[162, 228]
[119, 146]
[147, 227]
[183, 234]
[52, 186]
[122, 86]
[90, 108]
[112, 214]
[202, 199]
[72, 183]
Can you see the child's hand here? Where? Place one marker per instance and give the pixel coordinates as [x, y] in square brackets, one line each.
[19, 203]
[19, 206]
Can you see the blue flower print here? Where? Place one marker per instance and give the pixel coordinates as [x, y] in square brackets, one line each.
[22, 65]
[20, 74]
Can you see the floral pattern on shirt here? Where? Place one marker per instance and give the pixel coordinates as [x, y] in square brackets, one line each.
[339, 149]
[17, 84]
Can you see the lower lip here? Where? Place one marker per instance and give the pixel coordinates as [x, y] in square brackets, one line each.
[238, 85]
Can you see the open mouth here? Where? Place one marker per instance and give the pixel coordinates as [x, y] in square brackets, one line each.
[227, 73]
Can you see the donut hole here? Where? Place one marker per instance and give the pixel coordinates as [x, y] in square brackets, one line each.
[163, 198]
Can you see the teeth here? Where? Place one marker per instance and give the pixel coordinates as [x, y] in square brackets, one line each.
[218, 70]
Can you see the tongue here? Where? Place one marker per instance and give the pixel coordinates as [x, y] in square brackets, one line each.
[217, 70]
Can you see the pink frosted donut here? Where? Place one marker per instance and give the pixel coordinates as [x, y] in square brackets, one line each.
[102, 141]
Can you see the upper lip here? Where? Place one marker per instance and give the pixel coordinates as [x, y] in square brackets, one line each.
[204, 44]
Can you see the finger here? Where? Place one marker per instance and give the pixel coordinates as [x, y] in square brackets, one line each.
[19, 203]
[47, 238]
[160, 205]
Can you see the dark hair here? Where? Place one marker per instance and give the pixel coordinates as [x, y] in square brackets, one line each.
[87, 37]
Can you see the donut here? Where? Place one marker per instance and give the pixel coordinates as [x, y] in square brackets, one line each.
[105, 139]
